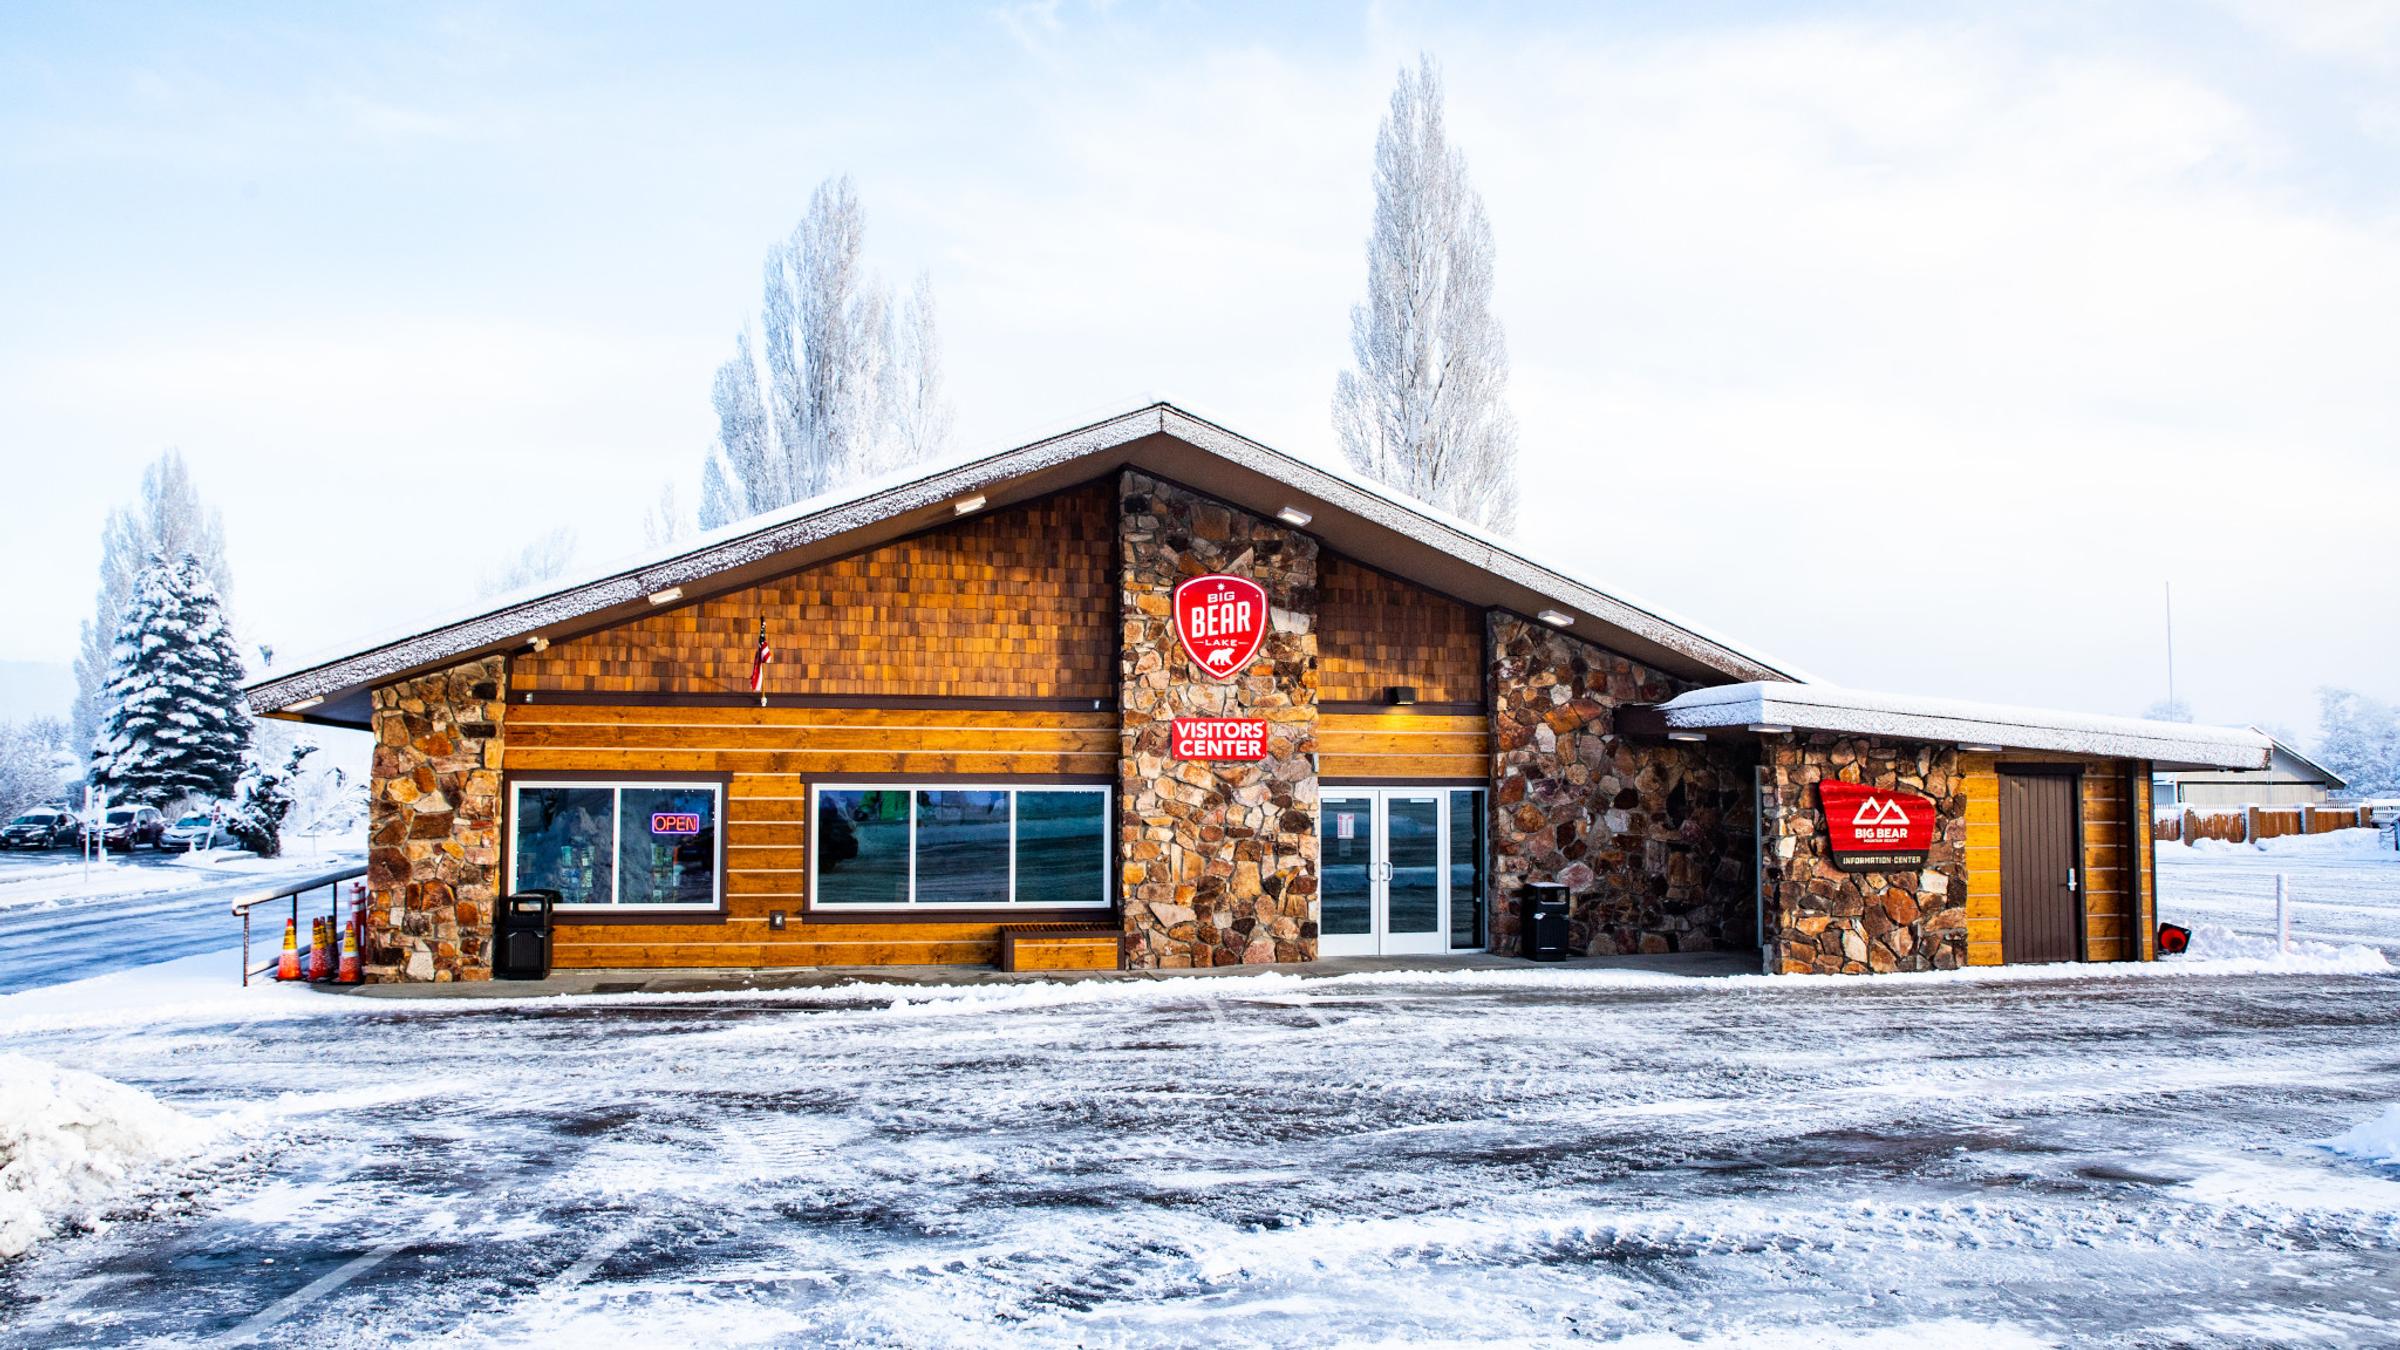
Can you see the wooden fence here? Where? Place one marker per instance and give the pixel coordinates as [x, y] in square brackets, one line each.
[2249, 824]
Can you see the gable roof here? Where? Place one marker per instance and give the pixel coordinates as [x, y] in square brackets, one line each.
[1349, 514]
[2286, 765]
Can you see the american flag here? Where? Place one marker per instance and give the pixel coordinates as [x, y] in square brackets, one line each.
[758, 663]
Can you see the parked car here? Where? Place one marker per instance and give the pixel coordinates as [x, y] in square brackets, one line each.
[195, 831]
[42, 827]
[130, 827]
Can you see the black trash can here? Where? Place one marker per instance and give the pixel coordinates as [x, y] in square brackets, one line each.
[521, 936]
[1542, 921]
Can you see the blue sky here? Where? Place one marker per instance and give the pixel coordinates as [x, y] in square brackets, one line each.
[2018, 312]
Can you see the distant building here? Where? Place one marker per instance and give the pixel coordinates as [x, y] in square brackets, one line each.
[2290, 779]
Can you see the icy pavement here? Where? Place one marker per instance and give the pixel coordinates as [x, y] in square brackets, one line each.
[2029, 1158]
[56, 926]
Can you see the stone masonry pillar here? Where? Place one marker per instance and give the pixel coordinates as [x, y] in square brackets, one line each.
[433, 827]
[1217, 863]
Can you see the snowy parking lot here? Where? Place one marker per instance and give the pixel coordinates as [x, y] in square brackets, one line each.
[2023, 1157]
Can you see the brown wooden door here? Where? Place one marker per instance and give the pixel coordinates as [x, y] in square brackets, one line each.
[2040, 869]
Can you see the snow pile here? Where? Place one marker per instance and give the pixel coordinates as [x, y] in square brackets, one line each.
[2215, 942]
[70, 1139]
[2375, 1141]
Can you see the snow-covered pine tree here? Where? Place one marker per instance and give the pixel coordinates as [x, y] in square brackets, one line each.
[176, 725]
[263, 799]
[835, 389]
[168, 518]
[1426, 409]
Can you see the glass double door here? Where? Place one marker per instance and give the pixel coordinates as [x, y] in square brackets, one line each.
[1400, 870]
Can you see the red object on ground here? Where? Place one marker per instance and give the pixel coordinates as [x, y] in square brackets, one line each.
[287, 966]
[350, 973]
[2173, 939]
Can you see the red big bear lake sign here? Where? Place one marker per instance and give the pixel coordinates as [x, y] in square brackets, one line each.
[1221, 620]
[1876, 829]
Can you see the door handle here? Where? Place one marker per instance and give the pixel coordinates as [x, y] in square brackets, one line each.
[2070, 878]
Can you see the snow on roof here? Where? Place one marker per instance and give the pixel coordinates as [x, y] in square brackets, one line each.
[1341, 496]
[1823, 707]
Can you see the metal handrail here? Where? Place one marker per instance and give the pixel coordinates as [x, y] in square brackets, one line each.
[331, 881]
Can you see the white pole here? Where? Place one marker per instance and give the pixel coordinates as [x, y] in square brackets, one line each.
[2283, 916]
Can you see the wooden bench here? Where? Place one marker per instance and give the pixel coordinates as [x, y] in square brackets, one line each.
[1061, 946]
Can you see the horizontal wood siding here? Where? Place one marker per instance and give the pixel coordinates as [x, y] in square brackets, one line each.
[1020, 603]
[1375, 631]
[771, 755]
[2116, 916]
[1400, 744]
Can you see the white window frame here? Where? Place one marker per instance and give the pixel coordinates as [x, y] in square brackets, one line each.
[616, 831]
[912, 905]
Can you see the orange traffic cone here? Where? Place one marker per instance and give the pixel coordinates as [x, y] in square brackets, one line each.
[287, 966]
[320, 952]
[350, 973]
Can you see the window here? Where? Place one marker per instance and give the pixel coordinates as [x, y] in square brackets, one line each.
[630, 845]
[960, 846]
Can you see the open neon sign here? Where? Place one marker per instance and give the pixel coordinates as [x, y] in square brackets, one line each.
[675, 822]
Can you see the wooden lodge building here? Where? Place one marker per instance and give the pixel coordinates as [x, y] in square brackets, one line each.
[1149, 692]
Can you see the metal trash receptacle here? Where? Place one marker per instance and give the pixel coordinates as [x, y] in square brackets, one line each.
[521, 936]
[1542, 921]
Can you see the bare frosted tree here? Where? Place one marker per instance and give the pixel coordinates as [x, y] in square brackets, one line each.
[544, 559]
[167, 518]
[835, 390]
[665, 523]
[1426, 409]
[920, 407]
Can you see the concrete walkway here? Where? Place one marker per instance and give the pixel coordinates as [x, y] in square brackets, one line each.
[1695, 965]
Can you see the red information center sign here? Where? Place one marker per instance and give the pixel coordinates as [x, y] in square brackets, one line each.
[1219, 738]
[1220, 620]
[1876, 829]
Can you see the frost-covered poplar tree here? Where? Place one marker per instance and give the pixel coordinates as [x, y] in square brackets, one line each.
[176, 725]
[2359, 738]
[834, 389]
[545, 558]
[36, 763]
[167, 518]
[1425, 410]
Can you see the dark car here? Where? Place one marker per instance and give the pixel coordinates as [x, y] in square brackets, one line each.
[130, 827]
[42, 827]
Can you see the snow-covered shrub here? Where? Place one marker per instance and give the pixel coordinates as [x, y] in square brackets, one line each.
[69, 1140]
[262, 801]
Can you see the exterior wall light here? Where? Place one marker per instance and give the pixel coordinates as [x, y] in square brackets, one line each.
[539, 643]
[304, 704]
[1979, 749]
[666, 597]
[1687, 735]
[1294, 516]
[1400, 695]
[967, 505]
[1556, 618]
[1769, 729]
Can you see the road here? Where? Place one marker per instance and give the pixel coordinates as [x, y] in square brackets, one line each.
[75, 938]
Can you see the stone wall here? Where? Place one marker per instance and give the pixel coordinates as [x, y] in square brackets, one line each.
[1218, 864]
[433, 857]
[1825, 921]
[1652, 841]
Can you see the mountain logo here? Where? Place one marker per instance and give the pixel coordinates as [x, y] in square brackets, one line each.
[1880, 811]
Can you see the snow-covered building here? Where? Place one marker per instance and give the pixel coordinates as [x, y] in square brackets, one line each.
[1150, 691]
[2289, 779]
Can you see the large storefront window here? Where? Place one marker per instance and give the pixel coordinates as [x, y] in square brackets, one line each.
[637, 845]
[960, 846]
